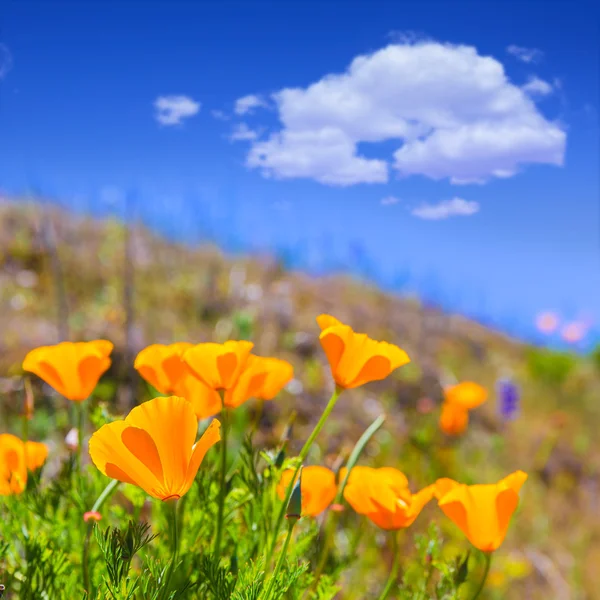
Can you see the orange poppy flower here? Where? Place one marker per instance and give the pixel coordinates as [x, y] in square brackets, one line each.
[262, 378]
[218, 365]
[458, 401]
[318, 488]
[16, 458]
[163, 368]
[153, 447]
[384, 497]
[231, 368]
[354, 358]
[72, 369]
[482, 512]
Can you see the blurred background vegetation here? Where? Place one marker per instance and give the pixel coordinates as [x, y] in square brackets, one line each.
[67, 276]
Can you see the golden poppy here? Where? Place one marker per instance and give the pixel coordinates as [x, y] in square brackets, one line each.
[318, 488]
[218, 365]
[153, 447]
[384, 497]
[261, 378]
[231, 368]
[354, 358]
[162, 367]
[482, 512]
[72, 369]
[16, 458]
[458, 401]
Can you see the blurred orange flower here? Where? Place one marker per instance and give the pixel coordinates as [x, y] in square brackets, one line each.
[458, 401]
[230, 368]
[384, 497]
[482, 512]
[153, 447]
[218, 365]
[262, 378]
[318, 488]
[72, 369]
[16, 458]
[354, 358]
[162, 367]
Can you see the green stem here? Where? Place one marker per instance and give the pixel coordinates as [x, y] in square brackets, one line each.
[80, 423]
[222, 482]
[281, 559]
[106, 493]
[175, 543]
[488, 562]
[85, 557]
[395, 568]
[332, 518]
[302, 457]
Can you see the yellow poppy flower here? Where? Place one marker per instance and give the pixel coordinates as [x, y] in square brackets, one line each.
[162, 367]
[318, 488]
[16, 458]
[384, 497]
[72, 369]
[153, 447]
[354, 358]
[482, 512]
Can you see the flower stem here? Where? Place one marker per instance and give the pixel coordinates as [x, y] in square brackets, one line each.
[80, 423]
[281, 559]
[222, 482]
[395, 568]
[332, 518]
[302, 457]
[488, 562]
[175, 543]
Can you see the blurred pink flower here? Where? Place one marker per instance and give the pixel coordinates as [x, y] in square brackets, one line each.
[92, 515]
[72, 439]
[573, 332]
[547, 322]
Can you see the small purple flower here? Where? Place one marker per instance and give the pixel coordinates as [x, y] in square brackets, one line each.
[509, 397]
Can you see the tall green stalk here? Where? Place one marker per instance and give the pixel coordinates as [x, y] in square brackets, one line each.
[281, 558]
[173, 504]
[333, 517]
[302, 457]
[392, 579]
[222, 481]
[488, 562]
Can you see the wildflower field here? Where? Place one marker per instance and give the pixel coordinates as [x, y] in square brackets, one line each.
[176, 423]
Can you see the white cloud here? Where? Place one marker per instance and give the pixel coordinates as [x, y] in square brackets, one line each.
[445, 209]
[241, 132]
[171, 110]
[453, 112]
[389, 200]
[526, 55]
[537, 87]
[247, 104]
[5, 61]
[219, 115]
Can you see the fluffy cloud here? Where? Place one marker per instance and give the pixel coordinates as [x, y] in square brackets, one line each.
[171, 110]
[446, 208]
[526, 55]
[389, 200]
[453, 112]
[219, 115]
[241, 132]
[537, 87]
[5, 61]
[247, 104]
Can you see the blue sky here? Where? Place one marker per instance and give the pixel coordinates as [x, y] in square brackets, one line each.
[458, 141]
